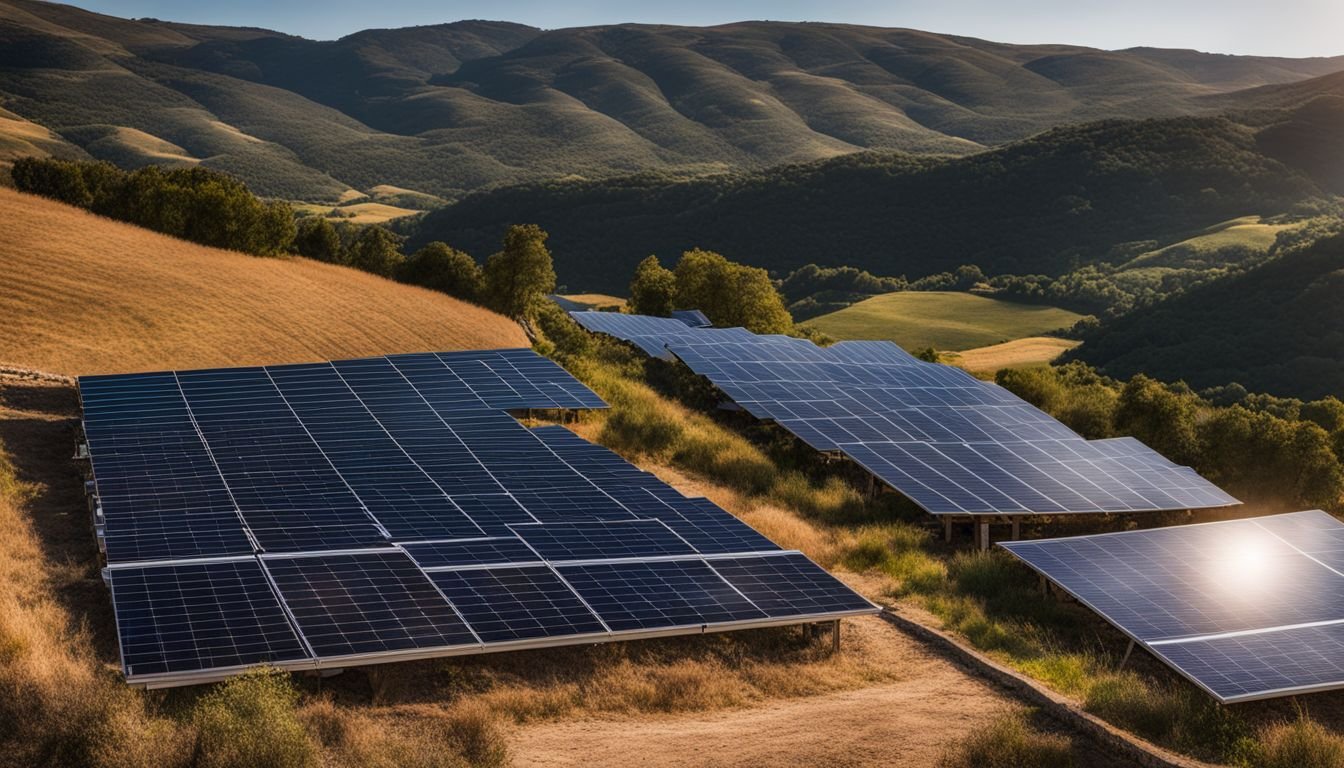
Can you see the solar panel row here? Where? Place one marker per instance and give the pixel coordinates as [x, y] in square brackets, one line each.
[950, 442]
[387, 508]
[195, 620]
[1246, 609]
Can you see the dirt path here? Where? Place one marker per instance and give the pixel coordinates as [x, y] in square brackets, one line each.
[910, 722]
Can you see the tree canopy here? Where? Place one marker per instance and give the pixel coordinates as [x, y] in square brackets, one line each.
[730, 294]
[518, 277]
[443, 268]
[653, 291]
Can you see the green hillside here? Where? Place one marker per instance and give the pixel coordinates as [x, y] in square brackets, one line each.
[942, 319]
[451, 108]
[1041, 206]
[1277, 329]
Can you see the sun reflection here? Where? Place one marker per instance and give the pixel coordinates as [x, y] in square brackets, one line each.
[1245, 565]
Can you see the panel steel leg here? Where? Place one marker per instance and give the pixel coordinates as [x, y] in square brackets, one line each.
[835, 636]
[984, 535]
[1017, 528]
[1128, 651]
[947, 530]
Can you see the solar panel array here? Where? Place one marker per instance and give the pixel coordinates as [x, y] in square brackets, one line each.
[1246, 609]
[952, 443]
[390, 508]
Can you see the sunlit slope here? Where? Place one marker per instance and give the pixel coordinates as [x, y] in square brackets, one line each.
[942, 319]
[82, 294]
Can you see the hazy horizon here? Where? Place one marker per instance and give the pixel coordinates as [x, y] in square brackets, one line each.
[1296, 28]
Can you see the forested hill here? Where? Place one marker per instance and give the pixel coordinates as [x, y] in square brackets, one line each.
[1276, 329]
[1039, 206]
[450, 108]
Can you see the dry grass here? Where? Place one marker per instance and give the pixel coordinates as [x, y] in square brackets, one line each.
[358, 213]
[1019, 353]
[81, 294]
[1011, 742]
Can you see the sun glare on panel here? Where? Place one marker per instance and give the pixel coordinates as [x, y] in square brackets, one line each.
[1245, 564]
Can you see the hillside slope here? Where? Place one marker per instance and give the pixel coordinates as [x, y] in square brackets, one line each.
[1041, 206]
[82, 294]
[1277, 329]
[450, 108]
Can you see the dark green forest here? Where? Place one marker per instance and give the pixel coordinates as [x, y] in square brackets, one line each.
[1047, 205]
[1278, 328]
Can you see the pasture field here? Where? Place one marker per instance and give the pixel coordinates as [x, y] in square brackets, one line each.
[83, 294]
[944, 320]
[1018, 353]
[357, 213]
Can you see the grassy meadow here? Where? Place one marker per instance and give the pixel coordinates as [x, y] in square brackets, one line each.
[944, 320]
[84, 294]
[1018, 353]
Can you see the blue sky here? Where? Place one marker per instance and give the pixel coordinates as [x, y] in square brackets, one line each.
[1283, 28]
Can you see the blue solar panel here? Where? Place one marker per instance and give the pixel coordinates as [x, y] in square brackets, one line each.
[664, 594]
[788, 585]
[603, 540]
[860, 398]
[506, 604]
[496, 550]
[366, 603]
[322, 466]
[191, 616]
[1242, 607]
[692, 317]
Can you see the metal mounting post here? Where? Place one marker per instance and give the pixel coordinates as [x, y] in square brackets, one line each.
[835, 636]
[1128, 650]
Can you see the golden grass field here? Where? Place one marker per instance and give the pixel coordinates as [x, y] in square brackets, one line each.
[944, 320]
[1018, 353]
[82, 294]
[358, 213]
[595, 300]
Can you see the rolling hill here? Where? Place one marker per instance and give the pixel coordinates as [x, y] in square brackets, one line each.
[1041, 206]
[943, 320]
[82, 294]
[450, 108]
[1277, 328]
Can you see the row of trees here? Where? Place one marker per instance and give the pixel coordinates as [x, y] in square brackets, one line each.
[512, 281]
[730, 294]
[216, 209]
[1283, 454]
[196, 204]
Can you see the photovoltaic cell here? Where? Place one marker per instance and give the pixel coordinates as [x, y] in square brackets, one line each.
[506, 604]
[366, 603]
[603, 540]
[439, 554]
[655, 595]
[788, 585]
[1243, 608]
[192, 616]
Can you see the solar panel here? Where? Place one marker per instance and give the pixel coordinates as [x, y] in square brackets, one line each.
[507, 604]
[367, 603]
[658, 595]
[1243, 608]
[950, 442]
[788, 585]
[181, 618]
[603, 540]
[692, 317]
[322, 515]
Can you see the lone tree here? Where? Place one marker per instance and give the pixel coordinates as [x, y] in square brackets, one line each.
[653, 289]
[518, 277]
[375, 250]
[730, 294]
[317, 239]
[443, 268]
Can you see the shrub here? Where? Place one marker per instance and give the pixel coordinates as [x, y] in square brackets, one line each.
[443, 269]
[1302, 743]
[250, 721]
[475, 733]
[1010, 742]
[653, 289]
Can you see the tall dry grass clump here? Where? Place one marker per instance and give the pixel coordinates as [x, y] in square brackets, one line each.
[1299, 743]
[250, 720]
[1011, 742]
[57, 707]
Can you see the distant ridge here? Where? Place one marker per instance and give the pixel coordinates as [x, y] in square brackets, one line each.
[450, 108]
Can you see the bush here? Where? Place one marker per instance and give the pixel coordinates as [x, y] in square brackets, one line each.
[475, 733]
[1010, 742]
[250, 721]
[1302, 743]
[376, 250]
[653, 289]
[518, 277]
[443, 269]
